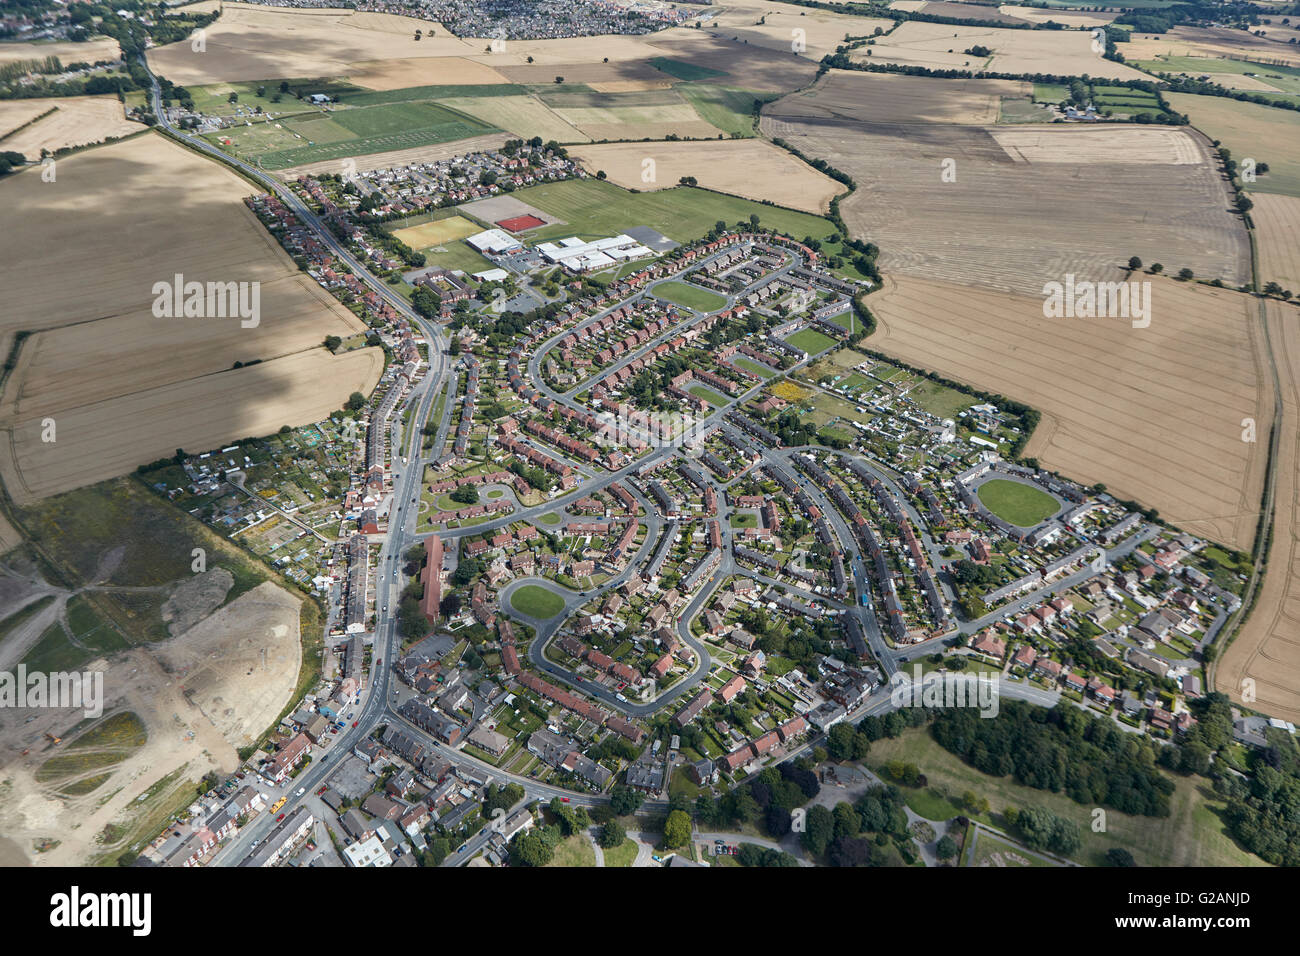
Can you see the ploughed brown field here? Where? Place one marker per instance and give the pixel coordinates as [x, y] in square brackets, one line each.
[1116, 400]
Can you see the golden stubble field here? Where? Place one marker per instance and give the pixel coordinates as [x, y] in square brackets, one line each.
[1266, 651]
[1156, 414]
[1214, 42]
[122, 386]
[1024, 205]
[750, 168]
[92, 51]
[76, 121]
[940, 46]
[255, 42]
[1277, 239]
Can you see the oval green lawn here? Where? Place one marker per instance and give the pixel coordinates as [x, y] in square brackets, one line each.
[689, 296]
[537, 602]
[1021, 504]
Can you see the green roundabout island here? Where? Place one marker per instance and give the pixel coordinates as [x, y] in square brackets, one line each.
[537, 602]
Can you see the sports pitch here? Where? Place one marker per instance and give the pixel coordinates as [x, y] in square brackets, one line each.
[436, 233]
[1014, 501]
[689, 296]
[313, 137]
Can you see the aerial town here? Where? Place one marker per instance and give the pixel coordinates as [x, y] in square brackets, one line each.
[605, 433]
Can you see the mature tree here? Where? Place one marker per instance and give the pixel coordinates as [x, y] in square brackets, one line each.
[946, 848]
[677, 829]
[819, 830]
[625, 800]
[611, 835]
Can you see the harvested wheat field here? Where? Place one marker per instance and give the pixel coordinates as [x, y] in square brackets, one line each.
[810, 33]
[750, 168]
[1277, 239]
[423, 71]
[16, 113]
[524, 116]
[896, 99]
[1267, 648]
[97, 50]
[1112, 193]
[614, 76]
[258, 43]
[98, 356]
[1249, 130]
[972, 11]
[1154, 413]
[651, 121]
[940, 46]
[76, 121]
[1212, 42]
[114, 435]
[195, 699]
[1069, 18]
[397, 157]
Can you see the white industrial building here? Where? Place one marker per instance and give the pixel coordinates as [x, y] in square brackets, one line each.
[495, 241]
[579, 255]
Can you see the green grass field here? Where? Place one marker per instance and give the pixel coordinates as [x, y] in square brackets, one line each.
[535, 601]
[1014, 501]
[938, 399]
[689, 296]
[1192, 835]
[575, 851]
[315, 136]
[1050, 93]
[811, 341]
[592, 209]
[709, 395]
[622, 855]
[749, 365]
[730, 110]
[683, 71]
[1285, 78]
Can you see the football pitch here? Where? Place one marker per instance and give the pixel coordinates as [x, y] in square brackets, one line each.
[313, 137]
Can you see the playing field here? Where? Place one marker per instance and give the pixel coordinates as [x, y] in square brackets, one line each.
[811, 341]
[591, 209]
[750, 168]
[924, 195]
[1117, 411]
[126, 387]
[534, 601]
[689, 296]
[1017, 502]
[1267, 649]
[1262, 133]
[437, 232]
[313, 137]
